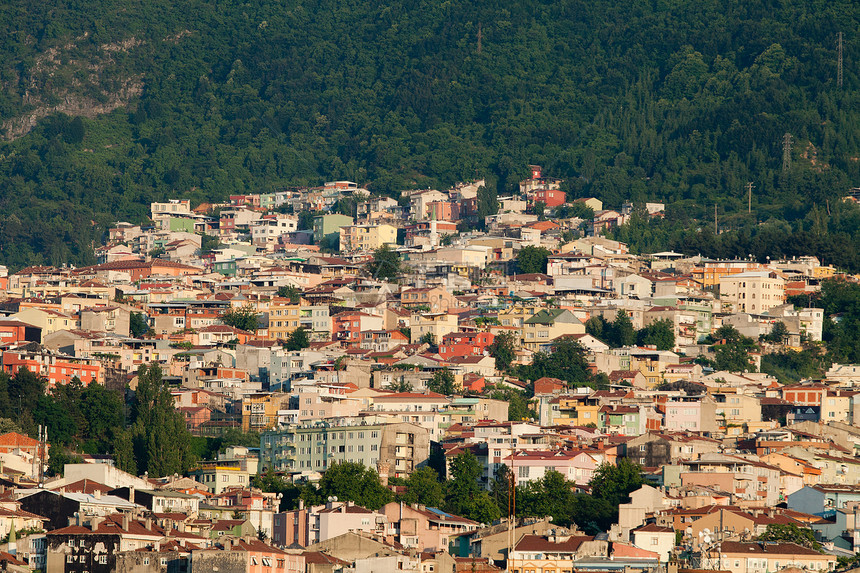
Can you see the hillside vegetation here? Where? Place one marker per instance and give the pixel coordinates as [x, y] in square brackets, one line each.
[107, 105]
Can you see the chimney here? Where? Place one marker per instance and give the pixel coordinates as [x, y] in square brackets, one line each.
[149, 523]
[97, 494]
[77, 518]
[131, 494]
[125, 521]
[95, 522]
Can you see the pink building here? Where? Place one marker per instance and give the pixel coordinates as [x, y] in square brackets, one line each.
[575, 465]
[423, 528]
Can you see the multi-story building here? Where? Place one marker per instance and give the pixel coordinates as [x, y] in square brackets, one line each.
[753, 292]
[309, 525]
[709, 272]
[284, 318]
[395, 449]
[234, 468]
[543, 327]
[54, 367]
[328, 226]
[431, 299]
[545, 189]
[436, 324]
[751, 482]
[757, 557]
[347, 327]
[365, 238]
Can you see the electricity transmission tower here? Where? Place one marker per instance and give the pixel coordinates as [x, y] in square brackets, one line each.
[786, 152]
[839, 61]
[749, 196]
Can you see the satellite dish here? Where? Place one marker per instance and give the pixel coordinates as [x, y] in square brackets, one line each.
[706, 531]
[707, 539]
[701, 534]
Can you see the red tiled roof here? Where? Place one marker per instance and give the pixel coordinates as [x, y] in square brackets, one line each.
[16, 440]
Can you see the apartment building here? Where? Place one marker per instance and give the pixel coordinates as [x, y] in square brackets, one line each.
[395, 449]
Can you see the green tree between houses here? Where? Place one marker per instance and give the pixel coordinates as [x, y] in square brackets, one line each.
[349, 481]
[161, 442]
[423, 487]
[660, 333]
[532, 259]
[298, 339]
[503, 349]
[244, 318]
[442, 382]
[290, 292]
[138, 326]
[385, 264]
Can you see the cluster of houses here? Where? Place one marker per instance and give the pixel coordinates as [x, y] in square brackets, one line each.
[725, 454]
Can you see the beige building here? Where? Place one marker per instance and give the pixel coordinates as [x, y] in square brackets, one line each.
[838, 406]
[438, 324]
[233, 468]
[366, 237]
[434, 299]
[48, 320]
[548, 324]
[106, 319]
[395, 449]
[738, 410]
[738, 557]
[752, 292]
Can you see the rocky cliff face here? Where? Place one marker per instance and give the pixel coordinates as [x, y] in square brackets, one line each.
[74, 80]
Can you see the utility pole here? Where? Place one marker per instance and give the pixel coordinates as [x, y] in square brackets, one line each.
[838, 61]
[749, 196]
[786, 152]
[716, 227]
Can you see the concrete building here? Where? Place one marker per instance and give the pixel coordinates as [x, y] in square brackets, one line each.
[394, 449]
[366, 238]
[754, 292]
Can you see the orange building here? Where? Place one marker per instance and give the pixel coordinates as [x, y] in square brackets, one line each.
[55, 369]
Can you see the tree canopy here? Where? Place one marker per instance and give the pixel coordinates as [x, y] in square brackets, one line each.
[385, 264]
[243, 318]
[680, 102]
[157, 441]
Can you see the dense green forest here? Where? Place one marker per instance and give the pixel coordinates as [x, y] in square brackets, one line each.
[670, 100]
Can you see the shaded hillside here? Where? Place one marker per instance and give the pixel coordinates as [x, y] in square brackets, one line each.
[677, 101]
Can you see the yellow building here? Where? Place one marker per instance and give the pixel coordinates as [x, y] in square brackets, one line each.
[366, 237]
[575, 410]
[284, 317]
[437, 324]
[260, 411]
[708, 273]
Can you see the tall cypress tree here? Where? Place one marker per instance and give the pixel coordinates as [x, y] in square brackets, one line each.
[162, 443]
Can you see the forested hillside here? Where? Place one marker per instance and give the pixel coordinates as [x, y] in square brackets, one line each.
[671, 100]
